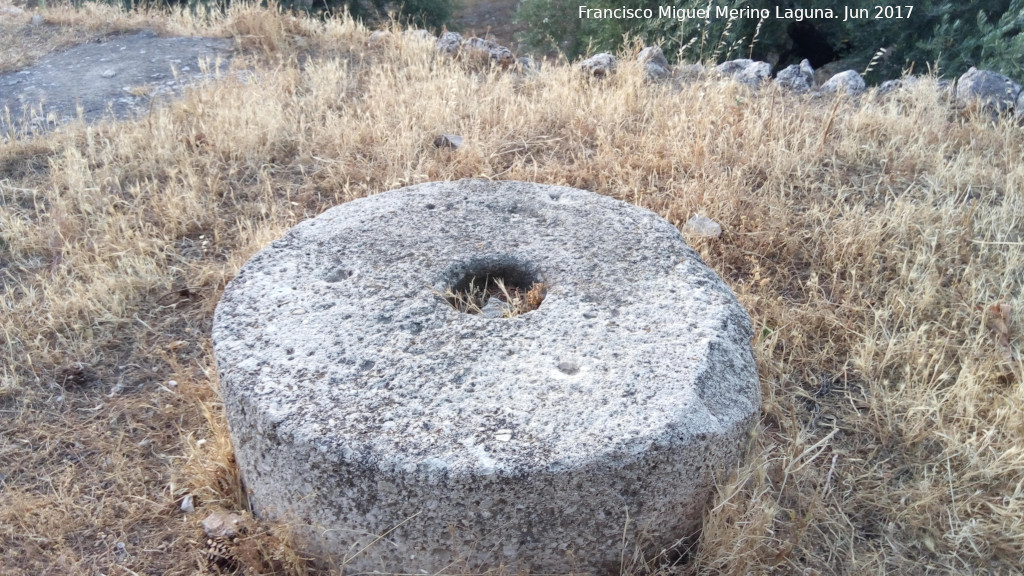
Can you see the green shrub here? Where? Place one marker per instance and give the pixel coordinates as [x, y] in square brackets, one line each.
[951, 36]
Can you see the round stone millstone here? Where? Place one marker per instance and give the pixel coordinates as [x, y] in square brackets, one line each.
[397, 433]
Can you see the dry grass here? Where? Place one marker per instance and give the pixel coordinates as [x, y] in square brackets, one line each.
[878, 248]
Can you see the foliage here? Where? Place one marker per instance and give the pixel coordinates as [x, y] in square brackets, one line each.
[951, 36]
[429, 13]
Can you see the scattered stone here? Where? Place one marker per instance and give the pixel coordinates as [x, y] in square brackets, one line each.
[699, 225]
[654, 62]
[12, 11]
[188, 504]
[992, 91]
[849, 82]
[892, 86]
[449, 43]
[796, 78]
[599, 65]
[652, 55]
[689, 72]
[654, 72]
[37, 20]
[487, 51]
[222, 524]
[109, 73]
[746, 71]
[411, 416]
[452, 141]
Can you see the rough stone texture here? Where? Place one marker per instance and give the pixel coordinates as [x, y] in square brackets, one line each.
[449, 43]
[746, 71]
[598, 65]
[797, 78]
[689, 72]
[652, 55]
[993, 91]
[488, 50]
[654, 62]
[120, 76]
[849, 82]
[360, 402]
[700, 225]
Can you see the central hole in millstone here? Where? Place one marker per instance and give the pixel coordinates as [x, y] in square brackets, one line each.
[496, 291]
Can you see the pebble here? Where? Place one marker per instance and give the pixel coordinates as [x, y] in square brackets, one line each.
[700, 225]
[187, 504]
[222, 524]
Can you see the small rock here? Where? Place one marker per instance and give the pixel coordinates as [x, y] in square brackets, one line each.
[449, 43]
[691, 71]
[849, 82]
[12, 10]
[221, 524]
[888, 87]
[796, 78]
[598, 65]
[187, 504]
[503, 435]
[653, 71]
[448, 141]
[700, 225]
[37, 20]
[746, 71]
[487, 50]
[654, 62]
[993, 91]
[654, 55]
[109, 73]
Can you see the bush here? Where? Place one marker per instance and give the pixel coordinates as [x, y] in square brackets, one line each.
[951, 36]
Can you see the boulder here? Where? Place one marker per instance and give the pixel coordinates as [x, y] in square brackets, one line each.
[848, 82]
[396, 432]
[796, 78]
[746, 71]
[480, 50]
[599, 65]
[990, 90]
[449, 43]
[689, 72]
[654, 62]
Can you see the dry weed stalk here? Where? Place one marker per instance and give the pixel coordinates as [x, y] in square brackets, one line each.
[881, 272]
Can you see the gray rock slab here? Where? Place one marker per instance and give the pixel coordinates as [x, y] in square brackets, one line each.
[796, 78]
[849, 82]
[993, 91]
[116, 76]
[598, 65]
[396, 433]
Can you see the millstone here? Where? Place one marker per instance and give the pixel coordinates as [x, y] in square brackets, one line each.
[395, 432]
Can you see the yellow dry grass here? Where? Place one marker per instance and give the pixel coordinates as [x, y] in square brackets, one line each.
[877, 246]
